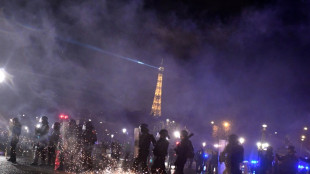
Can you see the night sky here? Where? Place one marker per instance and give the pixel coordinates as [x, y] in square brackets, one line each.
[242, 61]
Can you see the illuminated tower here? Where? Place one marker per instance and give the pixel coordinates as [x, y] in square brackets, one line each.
[156, 107]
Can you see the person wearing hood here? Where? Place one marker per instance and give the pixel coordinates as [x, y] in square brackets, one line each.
[160, 152]
[145, 139]
[15, 130]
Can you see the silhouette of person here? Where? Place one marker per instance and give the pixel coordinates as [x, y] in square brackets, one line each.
[145, 140]
[183, 151]
[233, 155]
[15, 129]
[160, 152]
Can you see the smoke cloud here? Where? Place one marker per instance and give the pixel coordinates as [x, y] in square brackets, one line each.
[250, 69]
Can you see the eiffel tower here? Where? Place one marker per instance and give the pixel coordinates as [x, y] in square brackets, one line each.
[156, 107]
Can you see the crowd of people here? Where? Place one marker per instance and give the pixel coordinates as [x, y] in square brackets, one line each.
[69, 145]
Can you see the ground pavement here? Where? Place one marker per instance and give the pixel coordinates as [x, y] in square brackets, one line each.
[23, 167]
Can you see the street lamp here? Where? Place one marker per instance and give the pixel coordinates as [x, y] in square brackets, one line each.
[2, 75]
[226, 124]
[264, 126]
[303, 137]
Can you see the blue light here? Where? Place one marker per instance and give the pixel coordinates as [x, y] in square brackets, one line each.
[75, 42]
[205, 155]
[307, 168]
[254, 162]
[301, 167]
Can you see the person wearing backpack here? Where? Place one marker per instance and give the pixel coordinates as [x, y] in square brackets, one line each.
[15, 130]
[183, 151]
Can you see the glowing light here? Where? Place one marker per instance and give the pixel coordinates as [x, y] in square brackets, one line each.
[216, 145]
[204, 144]
[156, 106]
[26, 129]
[262, 146]
[265, 145]
[254, 162]
[100, 122]
[177, 134]
[2, 75]
[305, 128]
[38, 125]
[124, 130]
[241, 140]
[264, 125]
[89, 119]
[212, 122]
[104, 51]
[62, 116]
[112, 135]
[275, 132]
[226, 124]
[258, 144]
[167, 120]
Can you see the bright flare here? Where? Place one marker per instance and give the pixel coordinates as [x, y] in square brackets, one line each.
[204, 144]
[241, 140]
[226, 124]
[2, 75]
[176, 134]
[124, 130]
[264, 125]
